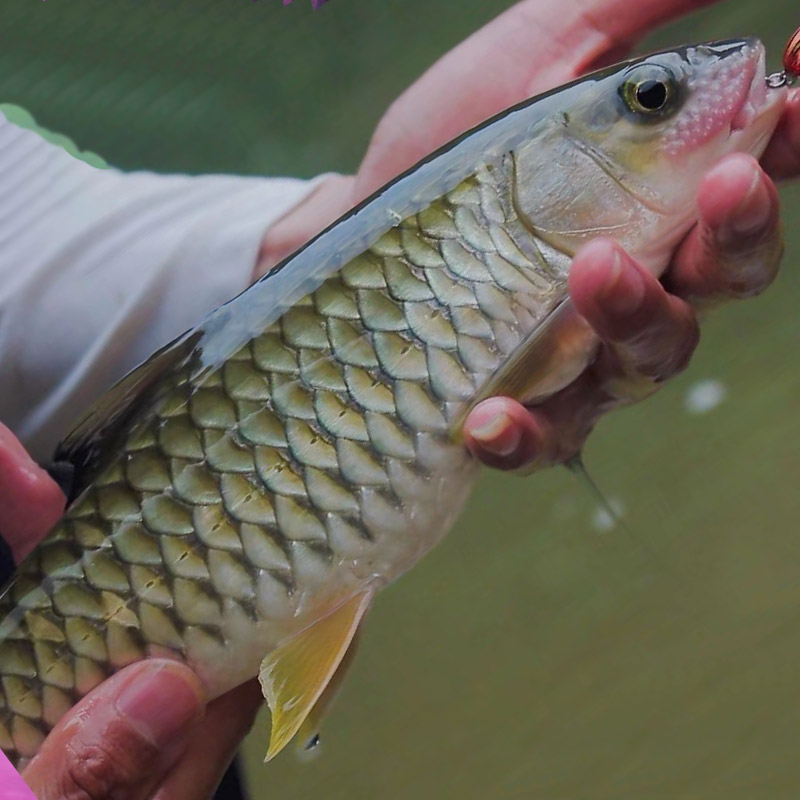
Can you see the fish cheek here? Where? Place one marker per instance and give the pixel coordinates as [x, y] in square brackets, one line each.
[567, 191]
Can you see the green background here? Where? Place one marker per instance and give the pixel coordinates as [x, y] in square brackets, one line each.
[530, 656]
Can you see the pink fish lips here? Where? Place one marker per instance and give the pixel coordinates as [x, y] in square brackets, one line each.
[728, 99]
[752, 100]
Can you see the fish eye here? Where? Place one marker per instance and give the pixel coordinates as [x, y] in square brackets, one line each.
[650, 91]
[652, 95]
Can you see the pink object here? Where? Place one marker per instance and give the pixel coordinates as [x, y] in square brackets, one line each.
[12, 787]
[727, 96]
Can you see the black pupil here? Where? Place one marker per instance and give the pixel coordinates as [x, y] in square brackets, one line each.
[651, 95]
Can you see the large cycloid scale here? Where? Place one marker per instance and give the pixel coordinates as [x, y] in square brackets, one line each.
[240, 498]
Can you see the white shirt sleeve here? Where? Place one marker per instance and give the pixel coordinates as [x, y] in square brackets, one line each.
[100, 268]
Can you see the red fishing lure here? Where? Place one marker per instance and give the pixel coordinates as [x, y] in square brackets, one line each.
[791, 55]
[791, 64]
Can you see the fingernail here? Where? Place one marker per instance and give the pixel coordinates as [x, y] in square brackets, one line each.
[624, 288]
[498, 435]
[752, 215]
[160, 704]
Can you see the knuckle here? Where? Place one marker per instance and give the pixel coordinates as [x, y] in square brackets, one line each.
[748, 272]
[90, 775]
[106, 770]
[642, 370]
[756, 280]
[663, 349]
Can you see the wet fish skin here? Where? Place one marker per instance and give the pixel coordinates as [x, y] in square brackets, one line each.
[293, 452]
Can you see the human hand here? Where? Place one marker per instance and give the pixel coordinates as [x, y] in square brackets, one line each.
[648, 329]
[147, 732]
[732, 252]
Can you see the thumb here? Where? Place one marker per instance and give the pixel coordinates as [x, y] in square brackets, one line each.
[122, 739]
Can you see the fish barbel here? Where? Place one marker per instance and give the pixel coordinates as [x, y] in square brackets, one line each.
[241, 496]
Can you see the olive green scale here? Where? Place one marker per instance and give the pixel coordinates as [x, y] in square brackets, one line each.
[242, 500]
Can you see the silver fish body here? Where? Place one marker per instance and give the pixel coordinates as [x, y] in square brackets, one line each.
[301, 445]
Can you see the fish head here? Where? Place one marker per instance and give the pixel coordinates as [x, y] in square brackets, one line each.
[624, 154]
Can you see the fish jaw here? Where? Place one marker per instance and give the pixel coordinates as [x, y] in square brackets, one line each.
[745, 122]
[757, 117]
[731, 109]
[718, 93]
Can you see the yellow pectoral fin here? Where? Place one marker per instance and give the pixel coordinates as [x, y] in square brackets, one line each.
[295, 675]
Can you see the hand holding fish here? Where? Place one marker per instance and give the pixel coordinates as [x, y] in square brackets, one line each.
[732, 252]
[149, 727]
[649, 332]
[146, 732]
[647, 335]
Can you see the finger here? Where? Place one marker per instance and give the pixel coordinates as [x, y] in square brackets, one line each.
[782, 156]
[123, 738]
[30, 500]
[503, 434]
[533, 46]
[736, 247]
[326, 203]
[648, 334]
[212, 745]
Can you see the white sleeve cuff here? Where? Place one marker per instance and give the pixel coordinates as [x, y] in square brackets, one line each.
[98, 269]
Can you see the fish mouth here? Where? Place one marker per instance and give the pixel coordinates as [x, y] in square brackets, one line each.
[755, 95]
[759, 109]
[728, 98]
[758, 98]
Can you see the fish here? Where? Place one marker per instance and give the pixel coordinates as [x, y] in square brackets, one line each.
[241, 497]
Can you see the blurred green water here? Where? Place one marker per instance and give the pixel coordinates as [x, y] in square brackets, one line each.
[530, 656]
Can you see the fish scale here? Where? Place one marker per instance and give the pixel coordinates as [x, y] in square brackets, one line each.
[293, 471]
